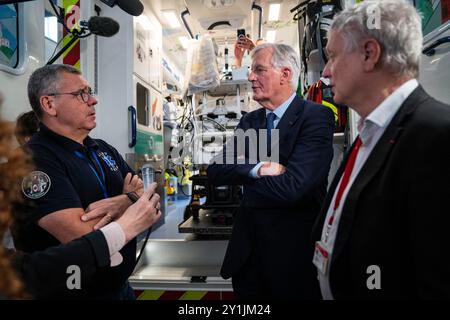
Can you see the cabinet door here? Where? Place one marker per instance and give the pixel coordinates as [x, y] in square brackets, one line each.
[155, 70]
[141, 50]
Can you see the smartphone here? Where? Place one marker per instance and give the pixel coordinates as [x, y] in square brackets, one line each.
[241, 33]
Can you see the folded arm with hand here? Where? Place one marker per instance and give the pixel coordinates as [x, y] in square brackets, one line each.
[111, 209]
[89, 252]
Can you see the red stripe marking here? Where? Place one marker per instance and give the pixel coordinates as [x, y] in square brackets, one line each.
[73, 56]
[171, 295]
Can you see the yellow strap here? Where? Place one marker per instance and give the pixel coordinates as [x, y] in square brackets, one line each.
[332, 107]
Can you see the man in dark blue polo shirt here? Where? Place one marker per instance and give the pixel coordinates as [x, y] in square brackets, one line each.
[74, 175]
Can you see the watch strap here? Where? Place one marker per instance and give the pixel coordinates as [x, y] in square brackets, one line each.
[132, 196]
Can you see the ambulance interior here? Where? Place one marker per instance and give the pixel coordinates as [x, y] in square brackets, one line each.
[170, 93]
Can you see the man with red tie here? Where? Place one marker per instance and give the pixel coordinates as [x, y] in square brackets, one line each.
[383, 230]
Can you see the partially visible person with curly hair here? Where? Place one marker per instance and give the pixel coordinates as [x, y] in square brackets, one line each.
[27, 124]
[14, 164]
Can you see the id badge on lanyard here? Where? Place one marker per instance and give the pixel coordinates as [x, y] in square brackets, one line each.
[321, 254]
[320, 259]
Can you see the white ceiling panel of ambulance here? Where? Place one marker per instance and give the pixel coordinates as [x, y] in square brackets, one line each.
[221, 19]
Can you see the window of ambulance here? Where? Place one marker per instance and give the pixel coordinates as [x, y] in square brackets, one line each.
[9, 36]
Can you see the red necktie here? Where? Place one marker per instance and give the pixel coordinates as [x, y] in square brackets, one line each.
[347, 172]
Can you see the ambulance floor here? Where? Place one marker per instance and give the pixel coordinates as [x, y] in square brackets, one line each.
[172, 218]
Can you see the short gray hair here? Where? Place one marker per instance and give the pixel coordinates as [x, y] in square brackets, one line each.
[44, 81]
[399, 32]
[283, 56]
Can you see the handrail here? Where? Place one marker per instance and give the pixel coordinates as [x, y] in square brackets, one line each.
[185, 12]
[132, 127]
[430, 50]
[260, 9]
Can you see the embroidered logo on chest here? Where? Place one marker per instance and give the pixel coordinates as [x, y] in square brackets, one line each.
[110, 162]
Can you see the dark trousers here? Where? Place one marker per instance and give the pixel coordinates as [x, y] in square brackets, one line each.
[247, 283]
[253, 282]
[127, 293]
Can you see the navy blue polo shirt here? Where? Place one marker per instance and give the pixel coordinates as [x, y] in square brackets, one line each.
[70, 175]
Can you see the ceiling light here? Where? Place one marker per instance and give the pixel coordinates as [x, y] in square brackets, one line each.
[270, 35]
[171, 18]
[274, 11]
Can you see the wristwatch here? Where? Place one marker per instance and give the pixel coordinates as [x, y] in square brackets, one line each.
[132, 196]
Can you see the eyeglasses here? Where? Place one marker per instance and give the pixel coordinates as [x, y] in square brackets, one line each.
[85, 94]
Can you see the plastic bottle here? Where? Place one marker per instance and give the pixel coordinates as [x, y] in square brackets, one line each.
[148, 175]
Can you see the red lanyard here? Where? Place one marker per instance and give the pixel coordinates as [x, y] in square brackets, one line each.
[344, 182]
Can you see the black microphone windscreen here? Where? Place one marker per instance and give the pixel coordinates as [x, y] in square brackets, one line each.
[103, 26]
[133, 7]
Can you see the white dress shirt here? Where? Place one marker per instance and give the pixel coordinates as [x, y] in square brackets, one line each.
[115, 238]
[370, 130]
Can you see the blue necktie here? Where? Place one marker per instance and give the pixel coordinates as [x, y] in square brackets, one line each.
[269, 124]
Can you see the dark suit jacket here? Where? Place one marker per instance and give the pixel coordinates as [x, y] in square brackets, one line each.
[396, 215]
[45, 272]
[276, 214]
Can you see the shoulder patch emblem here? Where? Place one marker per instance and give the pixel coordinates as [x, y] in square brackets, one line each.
[36, 184]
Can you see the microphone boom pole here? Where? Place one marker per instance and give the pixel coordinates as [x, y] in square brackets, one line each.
[75, 37]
